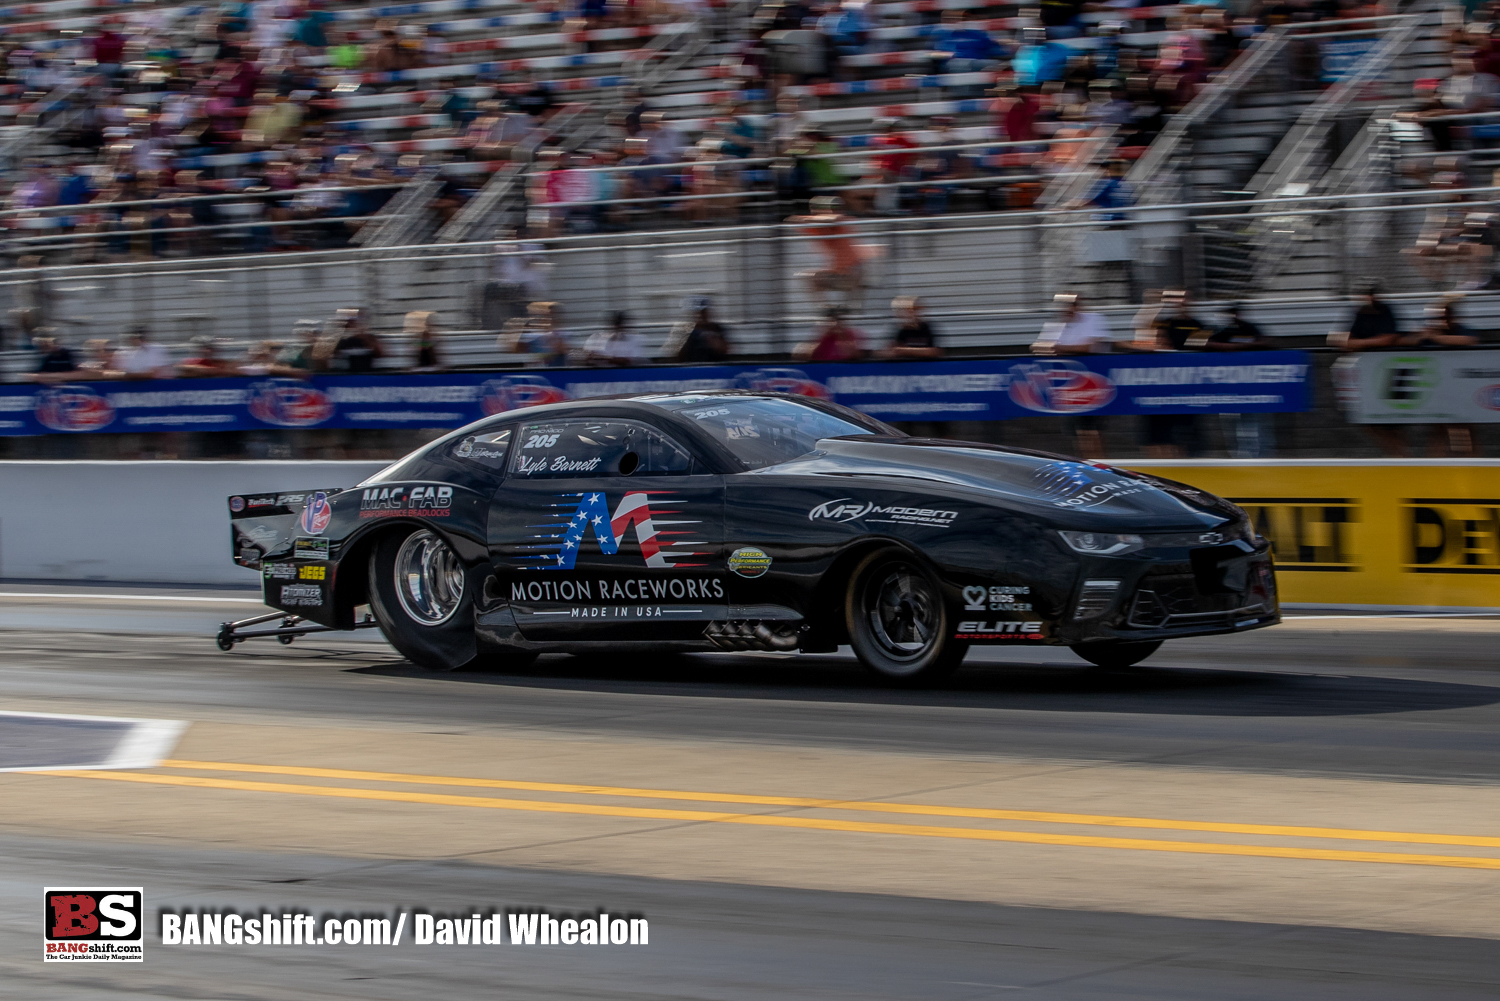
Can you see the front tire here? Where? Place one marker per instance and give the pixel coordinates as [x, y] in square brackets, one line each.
[898, 621]
[422, 599]
[1116, 655]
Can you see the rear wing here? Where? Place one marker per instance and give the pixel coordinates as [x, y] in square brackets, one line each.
[271, 525]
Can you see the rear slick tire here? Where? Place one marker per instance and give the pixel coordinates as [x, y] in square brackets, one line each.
[898, 621]
[1116, 655]
[421, 595]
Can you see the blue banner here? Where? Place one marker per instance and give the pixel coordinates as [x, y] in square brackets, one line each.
[981, 390]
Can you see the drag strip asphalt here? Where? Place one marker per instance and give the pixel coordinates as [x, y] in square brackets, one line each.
[1308, 811]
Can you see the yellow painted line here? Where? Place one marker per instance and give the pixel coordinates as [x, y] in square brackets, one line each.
[799, 823]
[910, 809]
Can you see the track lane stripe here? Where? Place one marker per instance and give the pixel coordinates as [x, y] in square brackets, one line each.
[798, 823]
[910, 809]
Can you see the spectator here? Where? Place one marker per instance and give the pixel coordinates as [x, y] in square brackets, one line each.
[664, 144]
[96, 360]
[1239, 334]
[54, 361]
[704, 341]
[1444, 240]
[275, 118]
[312, 25]
[1372, 326]
[1442, 329]
[1464, 92]
[142, 358]
[1252, 435]
[837, 341]
[421, 326]
[616, 345]
[1015, 112]
[260, 359]
[845, 26]
[886, 170]
[843, 270]
[1170, 327]
[1074, 332]
[536, 102]
[1107, 105]
[206, 363]
[1039, 60]
[545, 337]
[913, 339]
[811, 171]
[305, 355]
[356, 349]
[521, 272]
[969, 49]
[1110, 192]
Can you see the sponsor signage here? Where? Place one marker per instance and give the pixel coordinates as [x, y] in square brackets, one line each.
[1420, 387]
[980, 390]
[1365, 533]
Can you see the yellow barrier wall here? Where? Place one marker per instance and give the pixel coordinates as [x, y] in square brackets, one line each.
[1414, 533]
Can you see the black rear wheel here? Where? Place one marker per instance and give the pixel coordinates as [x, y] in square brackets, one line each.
[1116, 655]
[420, 594]
[898, 621]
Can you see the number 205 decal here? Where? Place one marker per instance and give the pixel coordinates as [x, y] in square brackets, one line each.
[541, 441]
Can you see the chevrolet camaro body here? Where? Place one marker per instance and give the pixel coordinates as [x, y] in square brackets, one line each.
[737, 521]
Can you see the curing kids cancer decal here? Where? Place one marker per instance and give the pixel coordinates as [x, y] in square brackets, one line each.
[588, 514]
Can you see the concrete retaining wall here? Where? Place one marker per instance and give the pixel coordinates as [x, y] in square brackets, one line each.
[164, 522]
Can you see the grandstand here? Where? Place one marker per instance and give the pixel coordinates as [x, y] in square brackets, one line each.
[405, 164]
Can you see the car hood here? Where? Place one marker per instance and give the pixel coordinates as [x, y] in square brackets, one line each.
[1063, 491]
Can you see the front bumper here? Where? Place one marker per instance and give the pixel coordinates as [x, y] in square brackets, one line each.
[1220, 589]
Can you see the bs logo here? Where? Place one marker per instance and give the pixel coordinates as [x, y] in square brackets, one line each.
[75, 919]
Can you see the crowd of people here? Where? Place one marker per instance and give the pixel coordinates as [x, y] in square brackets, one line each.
[343, 343]
[267, 80]
[1170, 324]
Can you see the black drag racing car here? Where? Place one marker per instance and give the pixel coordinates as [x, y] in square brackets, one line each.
[753, 521]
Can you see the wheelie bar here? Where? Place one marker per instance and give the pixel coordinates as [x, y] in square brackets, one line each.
[290, 628]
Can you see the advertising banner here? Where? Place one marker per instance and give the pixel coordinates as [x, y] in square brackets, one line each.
[980, 390]
[1420, 387]
[1367, 532]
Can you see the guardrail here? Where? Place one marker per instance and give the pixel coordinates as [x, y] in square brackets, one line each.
[985, 276]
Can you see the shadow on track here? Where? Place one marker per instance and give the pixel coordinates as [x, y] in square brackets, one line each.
[1045, 688]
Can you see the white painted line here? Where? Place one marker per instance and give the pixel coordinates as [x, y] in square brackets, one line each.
[148, 742]
[124, 597]
[143, 746]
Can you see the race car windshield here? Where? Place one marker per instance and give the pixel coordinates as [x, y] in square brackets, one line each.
[762, 431]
